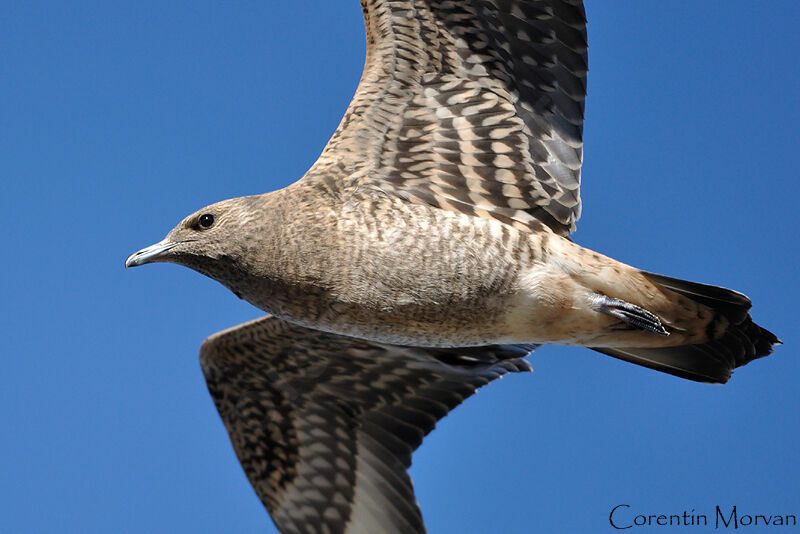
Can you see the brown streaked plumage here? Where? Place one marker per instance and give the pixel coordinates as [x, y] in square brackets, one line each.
[435, 219]
[325, 425]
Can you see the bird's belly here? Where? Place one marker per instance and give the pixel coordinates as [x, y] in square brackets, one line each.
[417, 276]
[415, 325]
[394, 307]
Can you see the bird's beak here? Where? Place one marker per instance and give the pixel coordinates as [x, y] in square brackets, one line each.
[150, 254]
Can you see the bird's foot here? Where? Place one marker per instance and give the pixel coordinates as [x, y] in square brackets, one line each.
[632, 316]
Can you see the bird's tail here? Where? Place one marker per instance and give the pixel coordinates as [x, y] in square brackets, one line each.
[733, 338]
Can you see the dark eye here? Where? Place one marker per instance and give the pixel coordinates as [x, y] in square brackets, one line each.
[205, 221]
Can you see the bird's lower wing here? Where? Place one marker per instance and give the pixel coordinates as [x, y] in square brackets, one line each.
[325, 425]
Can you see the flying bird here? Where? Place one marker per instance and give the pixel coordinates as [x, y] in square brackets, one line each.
[424, 254]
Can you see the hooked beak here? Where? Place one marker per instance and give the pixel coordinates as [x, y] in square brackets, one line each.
[151, 253]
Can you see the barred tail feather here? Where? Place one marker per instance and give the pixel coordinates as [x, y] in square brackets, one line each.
[713, 361]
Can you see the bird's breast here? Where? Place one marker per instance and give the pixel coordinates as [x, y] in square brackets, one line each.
[395, 272]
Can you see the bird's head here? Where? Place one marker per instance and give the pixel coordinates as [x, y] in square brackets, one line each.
[217, 241]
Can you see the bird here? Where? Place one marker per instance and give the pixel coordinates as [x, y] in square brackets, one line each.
[424, 254]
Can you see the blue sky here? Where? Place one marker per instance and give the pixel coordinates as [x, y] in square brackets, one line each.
[118, 119]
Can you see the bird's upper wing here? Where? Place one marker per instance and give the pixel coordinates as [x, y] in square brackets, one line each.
[473, 106]
[324, 425]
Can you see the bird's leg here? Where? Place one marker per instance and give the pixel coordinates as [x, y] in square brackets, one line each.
[632, 316]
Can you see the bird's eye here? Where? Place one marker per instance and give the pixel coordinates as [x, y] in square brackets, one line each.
[205, 221]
